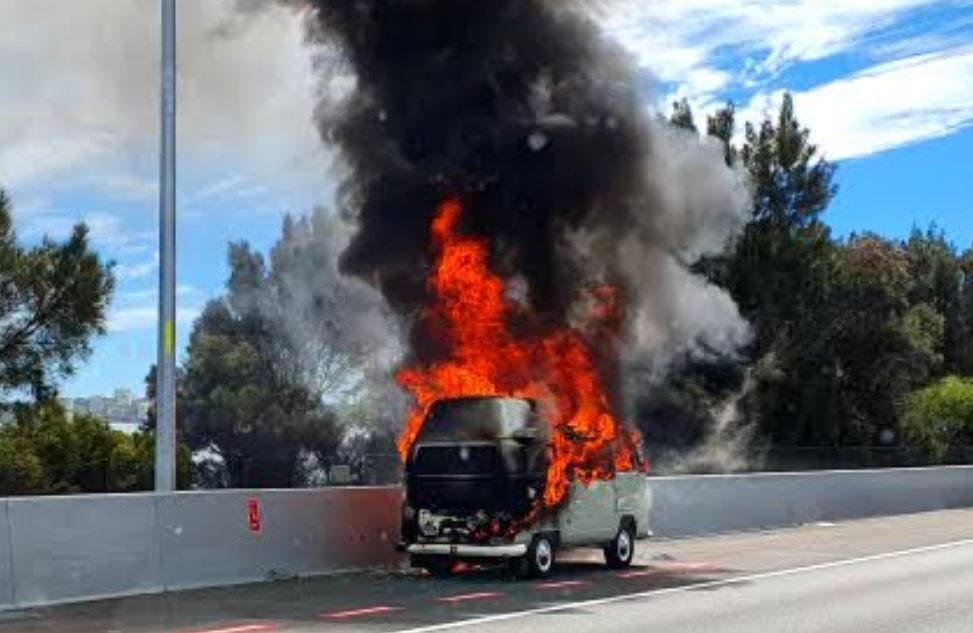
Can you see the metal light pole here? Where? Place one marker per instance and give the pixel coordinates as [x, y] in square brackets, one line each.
[165, 386]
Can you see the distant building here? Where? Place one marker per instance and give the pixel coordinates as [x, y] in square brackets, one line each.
[123, 411]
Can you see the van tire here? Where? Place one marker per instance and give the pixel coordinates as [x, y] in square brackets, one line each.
[540, 557]
[621, 550]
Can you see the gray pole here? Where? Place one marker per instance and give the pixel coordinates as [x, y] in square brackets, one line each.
[165, 394]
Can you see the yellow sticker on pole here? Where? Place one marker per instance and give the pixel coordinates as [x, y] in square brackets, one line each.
[169, 338]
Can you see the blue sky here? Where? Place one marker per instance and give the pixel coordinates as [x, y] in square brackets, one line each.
[886, 87]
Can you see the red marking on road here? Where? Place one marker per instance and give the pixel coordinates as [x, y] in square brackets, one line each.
[563, 583]
[641, 573]
[674, 568]
[463, 597]
[242, 628]
[694, 567]
[355, 613]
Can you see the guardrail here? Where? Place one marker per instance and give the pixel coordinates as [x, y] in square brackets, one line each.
[60, 549]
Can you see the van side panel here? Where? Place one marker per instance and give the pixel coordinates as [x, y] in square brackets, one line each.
[632, 490]
[589, 517]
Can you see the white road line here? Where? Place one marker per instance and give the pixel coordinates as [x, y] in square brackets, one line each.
[244, 628]
[464, 597]
[500, 617]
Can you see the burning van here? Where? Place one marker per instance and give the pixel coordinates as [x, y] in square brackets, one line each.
[475, 488]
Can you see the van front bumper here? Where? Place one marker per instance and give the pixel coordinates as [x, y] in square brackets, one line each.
[468, 551]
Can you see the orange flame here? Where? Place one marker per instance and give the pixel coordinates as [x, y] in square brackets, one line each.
[486, 358]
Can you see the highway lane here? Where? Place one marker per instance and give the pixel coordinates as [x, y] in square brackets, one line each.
[909, 573]
[925, 591]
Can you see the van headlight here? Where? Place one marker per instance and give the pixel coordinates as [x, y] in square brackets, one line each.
[428, 524]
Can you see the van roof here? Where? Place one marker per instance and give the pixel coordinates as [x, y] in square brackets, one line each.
[480, 418]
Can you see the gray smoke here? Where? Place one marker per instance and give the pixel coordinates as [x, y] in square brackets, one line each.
[727, 446]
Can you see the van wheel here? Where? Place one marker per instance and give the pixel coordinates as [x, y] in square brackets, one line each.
[540, 557]
[621, 550]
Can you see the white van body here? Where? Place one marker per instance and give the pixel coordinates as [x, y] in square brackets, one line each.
[478, 469]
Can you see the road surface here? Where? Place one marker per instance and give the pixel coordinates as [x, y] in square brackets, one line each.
[897, 574]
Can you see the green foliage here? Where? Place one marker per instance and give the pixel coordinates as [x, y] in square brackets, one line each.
[940, 415]
[245, 396]
[42, 451]
[682, 115]
[53, 298]
[843, 329]
[722, 125]
[21, 470]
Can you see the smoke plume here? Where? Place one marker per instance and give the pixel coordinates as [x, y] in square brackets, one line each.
[539, 124]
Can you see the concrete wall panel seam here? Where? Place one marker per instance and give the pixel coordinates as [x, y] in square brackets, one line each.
[8, 554]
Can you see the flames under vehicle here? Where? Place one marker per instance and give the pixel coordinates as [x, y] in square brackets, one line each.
[475, 480]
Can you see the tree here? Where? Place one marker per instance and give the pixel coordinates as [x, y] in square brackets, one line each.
[21, 470]
[853, 353]
[940, 416]
[777, 264]
[53, 298]
[682, 115]
[44, 451]
[244, 398]
[722, 125]
[964, 335]
[937, 280]
[336, 327]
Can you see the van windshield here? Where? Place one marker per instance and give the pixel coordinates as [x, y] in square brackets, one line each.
[457, 459]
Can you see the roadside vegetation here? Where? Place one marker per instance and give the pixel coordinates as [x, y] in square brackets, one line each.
[858, 342]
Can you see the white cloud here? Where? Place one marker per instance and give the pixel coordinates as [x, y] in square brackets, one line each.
[886, 106]
[127, 186]
[674, 38]
[110, 230]
[25, 158]
[79, 92]
[234, 184]
[146, 317]
[219, 186]
[138, 270]
[927, 92]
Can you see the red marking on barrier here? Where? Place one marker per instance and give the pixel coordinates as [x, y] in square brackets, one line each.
[355, 613]
[463, 597]
[253, 514]
[242, 628]
[562, 583]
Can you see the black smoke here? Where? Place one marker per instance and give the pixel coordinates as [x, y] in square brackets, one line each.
[531, 114]
[520, 107]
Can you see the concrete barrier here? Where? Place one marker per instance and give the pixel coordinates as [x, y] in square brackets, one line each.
[90, 546]
[60, 549]
[206, 538]
[708, 504]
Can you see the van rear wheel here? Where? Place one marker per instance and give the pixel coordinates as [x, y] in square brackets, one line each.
[620, 552]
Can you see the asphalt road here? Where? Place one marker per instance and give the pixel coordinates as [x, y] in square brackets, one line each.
[904, 574]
